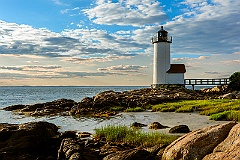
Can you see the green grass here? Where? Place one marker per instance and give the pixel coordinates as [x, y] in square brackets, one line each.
[226, 116]
[136, 109]
[204, 107]
[124, 134]
[116, 108]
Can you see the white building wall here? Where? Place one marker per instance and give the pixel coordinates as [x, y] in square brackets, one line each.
[175, 78]
[161, 62]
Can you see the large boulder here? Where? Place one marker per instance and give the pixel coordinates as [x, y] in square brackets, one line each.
[28, 141]
[229, 149]
[195, 145]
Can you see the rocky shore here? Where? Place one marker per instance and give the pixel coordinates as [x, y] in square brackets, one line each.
[103, 103]
[42, 141]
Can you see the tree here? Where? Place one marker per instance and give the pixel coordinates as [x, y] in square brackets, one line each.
[234, 83]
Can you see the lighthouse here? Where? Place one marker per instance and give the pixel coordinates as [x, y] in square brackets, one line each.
[163, 71]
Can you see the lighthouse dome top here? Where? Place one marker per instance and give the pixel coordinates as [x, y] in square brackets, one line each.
[162, 30]
[162, 36]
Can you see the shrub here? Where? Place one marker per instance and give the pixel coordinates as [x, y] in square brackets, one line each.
[234, 83]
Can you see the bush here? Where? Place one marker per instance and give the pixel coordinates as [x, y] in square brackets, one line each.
[234, 83]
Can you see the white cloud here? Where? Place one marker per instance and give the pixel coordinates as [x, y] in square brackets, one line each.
[77, 44]
[190, 59]
[123, 68]
[127, 12]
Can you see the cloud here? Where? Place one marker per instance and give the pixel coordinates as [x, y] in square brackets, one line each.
[191, 59]
[236, 53]
[123, 68]
[59, 2]
[27, 71]
[70, 74]
[77, 44]
[212, 72]
[22, 56]
[205, 27]
[126, 12]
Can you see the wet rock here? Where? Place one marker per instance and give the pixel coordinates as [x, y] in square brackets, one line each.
[195, 145]
[14, 107]
[157, 125]
[60, 106]
[179, 129]
[229, 149]
[138, 125]
[28, 141]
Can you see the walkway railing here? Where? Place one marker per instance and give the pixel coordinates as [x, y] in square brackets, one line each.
[193, 82]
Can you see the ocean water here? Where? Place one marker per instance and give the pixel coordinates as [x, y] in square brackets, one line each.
[12, 95]
[32, 95]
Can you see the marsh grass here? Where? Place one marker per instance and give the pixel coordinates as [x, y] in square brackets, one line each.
[204, 107]
[124, 134]
[116, 108]
[226, 115]
[136, 109]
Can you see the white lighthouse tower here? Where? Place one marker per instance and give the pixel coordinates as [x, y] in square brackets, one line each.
[163, 71]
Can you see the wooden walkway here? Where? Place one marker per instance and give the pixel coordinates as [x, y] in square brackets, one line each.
[193, 82]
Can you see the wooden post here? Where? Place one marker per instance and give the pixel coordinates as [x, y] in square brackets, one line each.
[192, 86]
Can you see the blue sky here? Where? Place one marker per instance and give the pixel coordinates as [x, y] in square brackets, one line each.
[107, 42]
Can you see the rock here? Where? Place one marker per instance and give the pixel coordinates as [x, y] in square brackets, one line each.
[60, 106]
[133, 154]
[227, 96]
[75, 149]
[237, 94]
[229, 149]
[14, 107]
[179, 129]
[68, 134]
[138, 125]
[28, 141]
[157, 125]
[84, 134]
[195, 145]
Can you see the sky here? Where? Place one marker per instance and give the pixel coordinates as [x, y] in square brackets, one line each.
[108, 42]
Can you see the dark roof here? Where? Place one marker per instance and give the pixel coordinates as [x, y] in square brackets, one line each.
[177, 68]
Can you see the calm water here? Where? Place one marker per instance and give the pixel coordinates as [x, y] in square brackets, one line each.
[31, 95]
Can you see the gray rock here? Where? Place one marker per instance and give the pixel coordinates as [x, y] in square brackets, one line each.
[195, 145]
